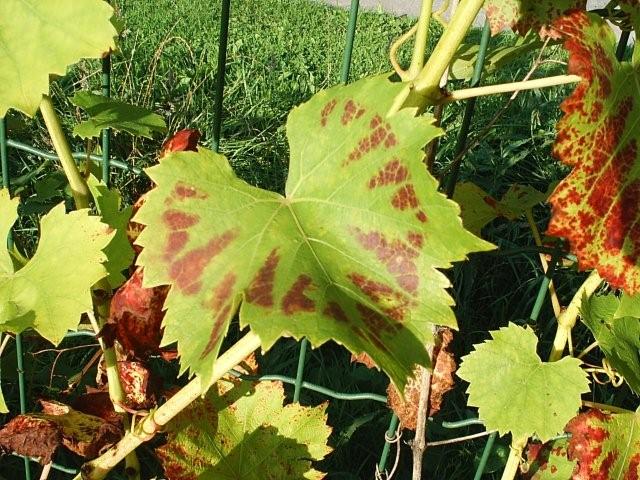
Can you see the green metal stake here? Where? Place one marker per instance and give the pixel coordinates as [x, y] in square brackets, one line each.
[485, 455]
[222, 67]
[351, 35]
[297, 388]
[469, 110]
[4, 161]
[106, 133]
[622, 45]
[391, 433]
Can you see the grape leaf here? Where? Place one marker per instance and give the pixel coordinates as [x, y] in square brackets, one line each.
[525, 15]
[119, 251]
[629, 307]
[522, 394]
[605, 445]
[351, 253]
[40, 434]
[595, 207]
[38, 39]
[245, 432]
[53, 289]
[548, 461]
[618, 338]
[105, 112]
[478, 208]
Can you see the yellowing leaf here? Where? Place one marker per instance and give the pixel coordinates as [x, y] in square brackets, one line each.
[245, 433]
[40, 38]
[524, 15]
[351, 253]
[52, 290]
[517, 392]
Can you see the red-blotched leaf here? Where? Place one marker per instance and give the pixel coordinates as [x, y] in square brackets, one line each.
[136, 313]
[184, 140]
[525, 15]
[605, 445]
[350, 253]
[596, 207]
[139, 385]
[548, 461]
[33, 436]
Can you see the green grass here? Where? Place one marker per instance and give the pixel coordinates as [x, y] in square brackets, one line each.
[280, 53]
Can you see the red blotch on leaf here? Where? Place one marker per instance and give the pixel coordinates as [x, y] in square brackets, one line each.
[177, 220]
[183, 191]
[187, 270]
[326, 111]
[588, 433]
[295, 299]
[260, 290]
[393, 173]
[405, 198]
[182, 141]
[351, 111]
[220, 303]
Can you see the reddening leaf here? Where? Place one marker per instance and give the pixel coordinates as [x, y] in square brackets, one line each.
[525, 15]
[548, 461]
[40, 434]
[595, 207]
[139, 385]
[183, 141]
[605, 445]
[245, 432]
[517, 392]
[351, 253]
[617, 337]
[105, 112]
[119, 252]
[97, 403]
[136, 313]
[52, 291]
[441, 382]
[39, 39]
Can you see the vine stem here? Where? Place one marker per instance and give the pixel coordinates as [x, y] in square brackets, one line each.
[420, 440]
[422, 37]
[425, 87]
[77, 183]
[467, 93]
[513, 462]
[567, 320]
[151, 424]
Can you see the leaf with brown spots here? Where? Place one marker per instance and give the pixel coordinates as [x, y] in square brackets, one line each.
[245, 433]
[40, 434]
[605, 445]
[595, 207]
[351, 253]
[525, 15]
[548, 461]
[441, 382]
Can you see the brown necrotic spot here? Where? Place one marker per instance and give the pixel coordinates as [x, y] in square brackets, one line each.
[393, 173]
[381, 135]
[176, 241]
[260, 290]
[220, 303]
[416, 239]
[397, 257]
[393, 303]
[187, 271]
[335, 311]
[177, 220]
[295, 300]
[405, 198]
[326, 111]
[351, 111]
[183, 191]
[421, 216]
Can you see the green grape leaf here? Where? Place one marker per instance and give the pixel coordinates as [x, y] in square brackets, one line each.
[52, 290]
[595, 207]
[618, 338]
[38, 39]
[245, 432]
[350, 254]
[497, 57]
[525, 15]
[119, 252]
[548, 461]
[8, 216]
[606, 446]
[522, 394]
[105, 112]
[629, 307]
[478, 208]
